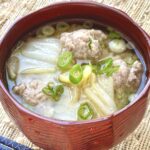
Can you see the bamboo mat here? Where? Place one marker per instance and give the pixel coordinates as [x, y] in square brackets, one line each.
[139, 10]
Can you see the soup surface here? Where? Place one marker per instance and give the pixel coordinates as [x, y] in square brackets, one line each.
[75, 71]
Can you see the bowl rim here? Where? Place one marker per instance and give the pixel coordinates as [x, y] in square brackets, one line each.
[64, 122]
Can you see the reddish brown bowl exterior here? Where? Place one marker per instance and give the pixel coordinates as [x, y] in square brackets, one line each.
[101, 133]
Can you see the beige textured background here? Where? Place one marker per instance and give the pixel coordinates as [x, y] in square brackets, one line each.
[139, 10]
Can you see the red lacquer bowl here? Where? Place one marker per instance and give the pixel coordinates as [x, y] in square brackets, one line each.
[102, 133]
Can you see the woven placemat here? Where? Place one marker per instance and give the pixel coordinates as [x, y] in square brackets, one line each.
[139, 10]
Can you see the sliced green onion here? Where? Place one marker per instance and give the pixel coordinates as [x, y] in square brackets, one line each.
[111, 70]
[62, 26]
[65, 60]
[48, 30]
[110, 29]
[103, 65]
[76, 74]
[47, 91]
[114, 35]
[95, 69]
[58, 90]
[90, 43]
[74, 27]
[88, 24]
[45, 31]
[39, 33]
[54, 92]
[85, 112]
[50, 84]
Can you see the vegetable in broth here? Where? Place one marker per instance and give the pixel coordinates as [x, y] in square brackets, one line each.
[75, 71]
